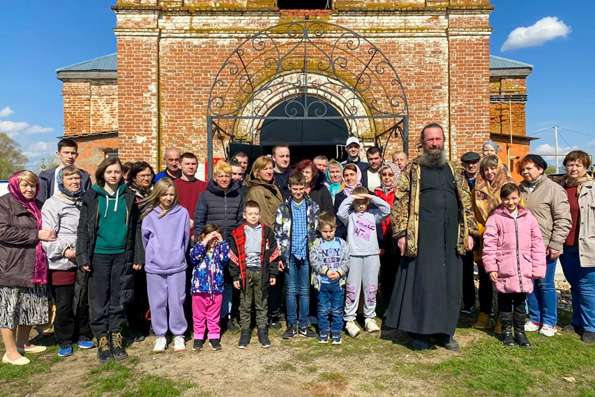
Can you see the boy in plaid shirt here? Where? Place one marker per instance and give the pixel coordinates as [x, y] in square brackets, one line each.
[295, 230]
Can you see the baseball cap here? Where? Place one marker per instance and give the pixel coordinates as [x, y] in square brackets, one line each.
[352, 140]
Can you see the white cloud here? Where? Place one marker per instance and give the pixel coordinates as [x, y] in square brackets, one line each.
[36, 129]
[6, 111]
[12, 128]
[548, 151]
[542, 31]
[40, 150]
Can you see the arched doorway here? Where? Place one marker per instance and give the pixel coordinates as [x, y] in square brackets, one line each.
[306, 137]
[311, 64]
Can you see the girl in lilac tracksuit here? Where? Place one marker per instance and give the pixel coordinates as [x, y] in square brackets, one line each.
[166, 234]
[513, 256]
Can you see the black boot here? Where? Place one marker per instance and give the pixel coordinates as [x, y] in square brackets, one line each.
[104, 353]
[506, 321]
[449, 343]
[118, 349]
[244, 338]
[263, 337]
[519, 329]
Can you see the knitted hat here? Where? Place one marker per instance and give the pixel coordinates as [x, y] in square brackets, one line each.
[491, 143]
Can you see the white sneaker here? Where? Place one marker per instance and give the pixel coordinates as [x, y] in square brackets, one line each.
[352, 328]
[547, 330]
[160, 344]
[179, 344]
[530, 326]
[371, 325]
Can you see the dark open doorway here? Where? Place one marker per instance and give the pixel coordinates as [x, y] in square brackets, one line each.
[306, 138]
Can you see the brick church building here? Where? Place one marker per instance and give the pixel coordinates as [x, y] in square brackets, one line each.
[212, 77]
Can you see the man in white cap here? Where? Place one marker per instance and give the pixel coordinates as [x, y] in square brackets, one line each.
[352, 147]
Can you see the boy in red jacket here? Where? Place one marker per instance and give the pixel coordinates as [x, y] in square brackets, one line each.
[254, 266]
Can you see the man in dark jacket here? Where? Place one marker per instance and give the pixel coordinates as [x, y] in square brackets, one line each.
[67, 154]
[281, 157]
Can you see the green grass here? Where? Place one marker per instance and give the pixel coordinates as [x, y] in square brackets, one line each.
[40, 363]
[156, 386]
[561, 365]
[488, 368]
[111, 377]
[15, 380]
[121, 379]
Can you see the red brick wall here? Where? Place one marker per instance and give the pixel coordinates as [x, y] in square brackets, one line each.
[469, 93]
[502, 115]
[92, 151]
[90, 106]
[164, 82]
[138, 98]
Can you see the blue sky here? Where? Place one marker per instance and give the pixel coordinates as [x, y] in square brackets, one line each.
[40, 36]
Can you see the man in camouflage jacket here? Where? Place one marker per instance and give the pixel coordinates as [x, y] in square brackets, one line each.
[405, 213]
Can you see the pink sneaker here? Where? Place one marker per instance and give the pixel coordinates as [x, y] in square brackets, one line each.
[531, 326]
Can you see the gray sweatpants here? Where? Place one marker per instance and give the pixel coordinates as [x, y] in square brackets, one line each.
[363, 271]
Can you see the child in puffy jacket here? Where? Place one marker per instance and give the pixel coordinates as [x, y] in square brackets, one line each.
[513, 256]
[209, 258]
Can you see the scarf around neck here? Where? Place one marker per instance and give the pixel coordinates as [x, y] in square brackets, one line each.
[569, 181]
[65, 191]
[40, 270]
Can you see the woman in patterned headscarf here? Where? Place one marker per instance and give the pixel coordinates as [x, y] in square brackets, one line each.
[23, 268]
[389, 257]
[61, 213]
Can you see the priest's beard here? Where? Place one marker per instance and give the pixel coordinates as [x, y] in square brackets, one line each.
[433, 159]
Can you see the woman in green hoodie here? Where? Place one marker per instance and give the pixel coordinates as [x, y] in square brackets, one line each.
[109, 247]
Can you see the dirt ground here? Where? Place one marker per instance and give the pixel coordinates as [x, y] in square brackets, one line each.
[366, 365]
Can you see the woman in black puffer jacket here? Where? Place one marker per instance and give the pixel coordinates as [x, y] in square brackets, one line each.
[221, 204]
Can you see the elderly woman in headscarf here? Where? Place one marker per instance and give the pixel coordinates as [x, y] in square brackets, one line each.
[352, 177]
[23, 268]
[334, 178]
[389, 173]
[489, 147]
[60, 213]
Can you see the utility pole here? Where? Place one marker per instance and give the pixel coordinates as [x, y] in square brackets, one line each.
[556, 149]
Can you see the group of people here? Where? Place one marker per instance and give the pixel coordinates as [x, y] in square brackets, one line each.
[140, 251]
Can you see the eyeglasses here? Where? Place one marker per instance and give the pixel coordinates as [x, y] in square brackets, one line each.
[144, 176]
[386, 174]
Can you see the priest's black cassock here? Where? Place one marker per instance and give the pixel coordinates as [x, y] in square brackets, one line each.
[427, 293]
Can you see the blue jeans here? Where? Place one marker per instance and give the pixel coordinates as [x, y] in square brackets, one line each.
[543, 301]
[297, 282]
[582, 288]
[330, 302]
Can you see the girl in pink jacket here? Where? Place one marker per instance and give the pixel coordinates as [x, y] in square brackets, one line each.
[513, 256]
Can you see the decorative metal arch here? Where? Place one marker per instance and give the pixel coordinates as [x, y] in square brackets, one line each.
[294, 61]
